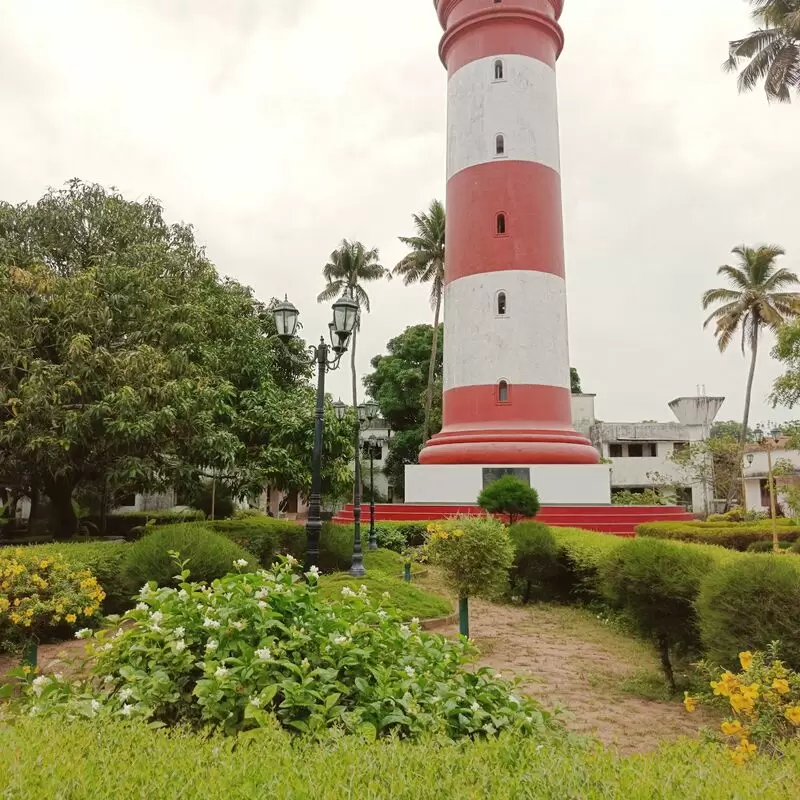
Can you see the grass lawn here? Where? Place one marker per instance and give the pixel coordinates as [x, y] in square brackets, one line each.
[87, 759]
[384, 574]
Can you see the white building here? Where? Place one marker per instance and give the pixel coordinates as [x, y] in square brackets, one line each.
[756, 472]
[639, 452]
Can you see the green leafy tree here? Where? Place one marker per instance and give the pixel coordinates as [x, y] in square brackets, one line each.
[575, 381]
[510, 496]
[425, 264]
[127, 364]
[757, 300]
[398, 384]
[730, 429]
[772, 51]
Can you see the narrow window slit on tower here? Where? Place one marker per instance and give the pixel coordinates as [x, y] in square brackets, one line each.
[498, 70]
[501, 304]
[502, 392]
[501, 224]
[500, 144]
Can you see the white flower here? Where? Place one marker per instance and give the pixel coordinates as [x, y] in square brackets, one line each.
[221, 672]
[313, 570]
[142, 607]
[386, 595]
[126, 710]
[290, 559]
[156, 617]
[145, 590]
[262, 593]
[200, 606]
[83, 633]
[362, 589]
[410, 671]
[415, 620]
[106, 647]
[95, 706]
[108, 679]
[262, 603]
[305, 663]
[405, 631]
[475, 706]
[183, 594]
[255, 701]
[347, 592]
[490, 729]
[263, 654]
[59, 676]
[156, 628]
[212, 645]
[240, 624]
[125, 694]
[39, 684]
[240, 562]
[228, 596]
[340, 640]
[180, 632]
[34, 711]
[210, 623]
[382, 614]
[180, 646]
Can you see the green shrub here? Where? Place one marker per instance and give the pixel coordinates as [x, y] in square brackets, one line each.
[535, 559]
[766, 546]
[103, 559]
[124, 523]
[390, 539]
[747, 605]
[265, 537]
[254, 648]
[209, 555]
[656, 584]
[90, 759]
[511, 497]
[413, 533]
[475, 554]
[649, 497]
[733, 535]
[737, 514]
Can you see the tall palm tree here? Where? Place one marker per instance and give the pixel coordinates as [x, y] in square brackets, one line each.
[756, 301]
[351, 265]
[425, 264]
[773, 50]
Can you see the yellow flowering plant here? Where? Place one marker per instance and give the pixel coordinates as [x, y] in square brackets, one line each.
[762, 699]
[37, 593]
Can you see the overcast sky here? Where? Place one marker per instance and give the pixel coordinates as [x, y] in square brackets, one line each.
[277, 127]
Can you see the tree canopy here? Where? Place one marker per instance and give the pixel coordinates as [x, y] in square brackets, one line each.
[127, 363]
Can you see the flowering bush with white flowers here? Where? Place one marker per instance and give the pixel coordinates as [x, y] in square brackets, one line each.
[253, 648]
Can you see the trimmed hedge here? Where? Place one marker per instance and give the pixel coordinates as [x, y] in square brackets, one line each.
[265, 537]
[43, 758]
[103, 559]
[124, 523]
[733, 535]
[535, 559]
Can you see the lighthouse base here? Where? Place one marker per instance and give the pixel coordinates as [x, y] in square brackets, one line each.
[556, 484]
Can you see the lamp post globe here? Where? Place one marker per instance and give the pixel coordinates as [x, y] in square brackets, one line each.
[339, 409]
[345, 316]
[285, 315]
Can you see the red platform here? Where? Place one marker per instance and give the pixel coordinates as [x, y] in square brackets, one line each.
[619, 520]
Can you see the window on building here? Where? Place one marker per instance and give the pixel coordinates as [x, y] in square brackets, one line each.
[502, 392]
[651, 450]
[635, 451]
[500, 144]
[501, 224]
[498, 70]
[615, 451]
[127, 500]
[501, 304]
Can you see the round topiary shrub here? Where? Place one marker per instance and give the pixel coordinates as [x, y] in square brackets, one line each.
[749, 604]
[509, 496]
[535, 559]
[208, 554]
[656, 583]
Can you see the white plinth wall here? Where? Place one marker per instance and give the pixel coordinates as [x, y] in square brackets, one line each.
[557, 484]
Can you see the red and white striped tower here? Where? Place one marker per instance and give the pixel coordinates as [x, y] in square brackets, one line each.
[506, 358]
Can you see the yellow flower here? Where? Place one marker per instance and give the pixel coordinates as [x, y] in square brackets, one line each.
[732, 728]
[781, 685]
[746, 659]
[747, 747]
[70, 618]
[89, 610]
[458, 534]
[793, 714]
[727, 683]
[738, 757]
[741, 704]
[689, 702]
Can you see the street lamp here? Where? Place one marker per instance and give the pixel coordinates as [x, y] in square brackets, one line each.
[345, 310]
[769, 443]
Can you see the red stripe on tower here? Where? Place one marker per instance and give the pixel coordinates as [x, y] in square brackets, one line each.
[506, 373]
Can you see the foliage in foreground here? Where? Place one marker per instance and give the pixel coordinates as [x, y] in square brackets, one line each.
[762, 702]
[475, 554]
[256, 647]
[118, 759]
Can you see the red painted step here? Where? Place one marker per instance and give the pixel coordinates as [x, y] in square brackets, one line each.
[618, 520]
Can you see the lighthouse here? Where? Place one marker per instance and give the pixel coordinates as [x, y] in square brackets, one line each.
[507, 400]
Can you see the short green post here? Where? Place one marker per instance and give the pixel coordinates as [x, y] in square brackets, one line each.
[463, 616]
[407, 572]
[30, 653]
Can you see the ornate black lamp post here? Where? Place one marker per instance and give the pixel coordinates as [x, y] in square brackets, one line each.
[327, 357]
[370, 414]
